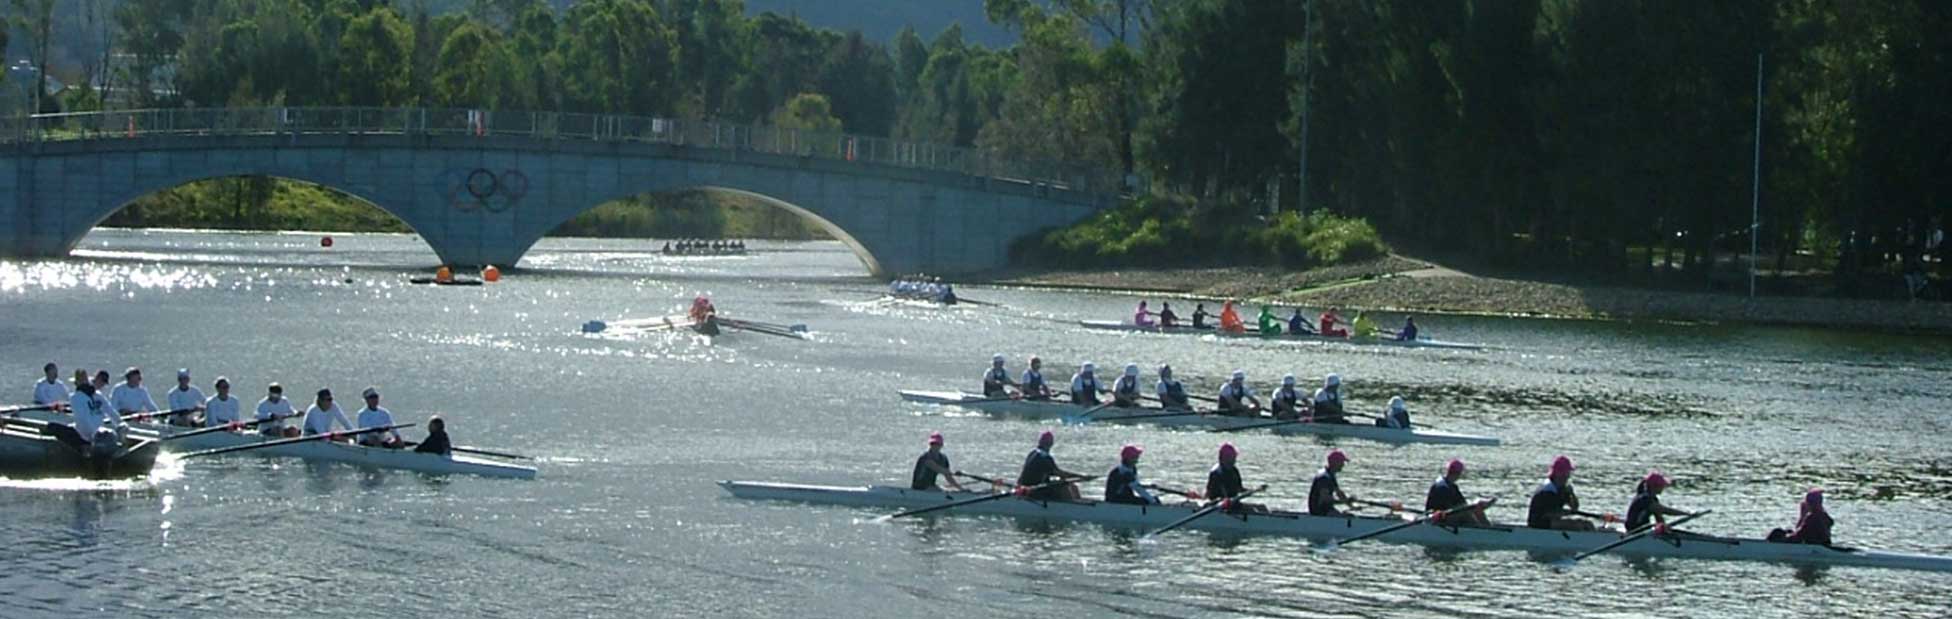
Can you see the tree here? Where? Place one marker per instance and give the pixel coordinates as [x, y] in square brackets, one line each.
[806, 111]
[859, 78]
[618, 57]
[471, 71]
[38, 18]
[374, 55]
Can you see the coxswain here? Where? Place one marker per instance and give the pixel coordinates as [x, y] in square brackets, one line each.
[1409, 331]
[1223, 480]
[946, 296]
[1298, 324]
[220, 409]
[1646, 508]
[324, 415]
[1033, 386]
[1325, 491]
[1554, 505]
[1396, 416]
[373, 416]
[1287, 401]
[996, 380]
[1235, 396]
[97, 425]
[1143, 317]
[1125, 390]
[1445, 495]
[1328, 401]
[931, 465]
[1084, 385]
[1331, 324]
[1167, 319]
[272, 412]
[436, 442]
[1230, 319]
[129, 397]
[667, 248]
[184, 397]
[49, 392]
[1813, 524]
[1172, 393]
[1122, 484]
[1270, 325]
[702, 309]
[1040, 468]
[1199, 316]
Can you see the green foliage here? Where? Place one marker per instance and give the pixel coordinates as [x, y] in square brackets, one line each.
[806, 111]
[256, 203]
[1162, 231]
[695, 214]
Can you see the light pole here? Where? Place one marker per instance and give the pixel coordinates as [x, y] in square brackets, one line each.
[1755, 195]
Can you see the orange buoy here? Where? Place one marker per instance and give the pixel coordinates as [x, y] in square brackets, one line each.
[491, 274]
[325, 241]
[444, 274]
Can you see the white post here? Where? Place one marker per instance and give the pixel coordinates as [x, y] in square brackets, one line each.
[1755, 196]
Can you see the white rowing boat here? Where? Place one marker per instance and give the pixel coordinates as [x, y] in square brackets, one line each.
[1112, 325]
[1049, 409]
[1549, 543]
[377, 457]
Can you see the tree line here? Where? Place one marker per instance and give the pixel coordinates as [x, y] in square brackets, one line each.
[1605, 136]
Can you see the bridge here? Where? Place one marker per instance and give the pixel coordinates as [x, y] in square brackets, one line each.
[481, 187]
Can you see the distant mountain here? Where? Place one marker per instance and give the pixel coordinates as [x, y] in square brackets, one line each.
[880, 20]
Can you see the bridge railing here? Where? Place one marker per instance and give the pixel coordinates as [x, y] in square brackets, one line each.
[553, 125]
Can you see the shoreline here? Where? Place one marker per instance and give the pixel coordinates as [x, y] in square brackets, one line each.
[1402, 285]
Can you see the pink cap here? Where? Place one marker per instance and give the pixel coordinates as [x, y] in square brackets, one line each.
[1814, 498]
[1228, 452]
[1130, 452]
[935, 438]
[1655, 479]
[1046, 439]
[1456, 467]
[1335, 456]
[1562, 466]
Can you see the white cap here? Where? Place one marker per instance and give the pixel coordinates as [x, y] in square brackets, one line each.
[1396, 404]
[183, 372]
[369, 392]
[996, 358]
[1288, 379]
[1131, 369]
[1088, 367]
[1333, 380]
[1240, 375]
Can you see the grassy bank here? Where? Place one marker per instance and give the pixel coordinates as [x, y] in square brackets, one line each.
[1159, 231]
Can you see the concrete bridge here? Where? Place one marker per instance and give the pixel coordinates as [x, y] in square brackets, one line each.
[482, 187]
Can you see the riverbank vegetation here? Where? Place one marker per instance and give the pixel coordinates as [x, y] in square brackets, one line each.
[1605, 139]
[1167, 232]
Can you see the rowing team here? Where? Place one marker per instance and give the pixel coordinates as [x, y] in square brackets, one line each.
[1553, 505]
[1329, 324]
[99, 411]
[931, 288]
[1234, 397]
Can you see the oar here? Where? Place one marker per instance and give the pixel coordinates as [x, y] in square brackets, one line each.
[142, 416]
[1413, 423]
[1332, 544]
[290, 441]
[1170, 490]
[1606, 517]
[1085, 417]
[1157, 415]
[1643, 531]
[1257, 426]
[26, 408]
[232, 426]
[471, 450]
[1212, 506]
[1394, 506]
[993, 497]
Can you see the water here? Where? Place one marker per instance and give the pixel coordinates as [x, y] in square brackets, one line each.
[633, 431]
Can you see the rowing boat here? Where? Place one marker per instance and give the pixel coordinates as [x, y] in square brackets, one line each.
[1049, 409]
[26, 448]
[1547, 543]
[1112, 325]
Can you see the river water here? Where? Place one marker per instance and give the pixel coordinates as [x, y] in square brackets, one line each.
[625, 519]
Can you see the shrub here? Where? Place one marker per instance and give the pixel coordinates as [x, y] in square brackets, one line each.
[1161, 231]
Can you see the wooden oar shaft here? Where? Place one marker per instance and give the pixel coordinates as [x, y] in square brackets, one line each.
[1643, 531]
[1419, 520]
[1257, 426]
[289, 441]
[993, 497]
[1212, 506]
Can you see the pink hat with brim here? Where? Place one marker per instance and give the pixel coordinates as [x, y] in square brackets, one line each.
[1562, 466]
[935, 438]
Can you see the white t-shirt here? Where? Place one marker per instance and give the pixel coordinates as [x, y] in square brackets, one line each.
[1228, 390]
[374, 418]
[131, 398]
[93, 413]
[180, 399]
[50, 392]
[321, 421]
[218, 411]
[268, 409]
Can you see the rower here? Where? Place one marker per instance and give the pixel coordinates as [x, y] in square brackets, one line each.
[184, 397]
[702, 309]
[1325, 491]
[933, 463]
[323, 415]
[1328, 401]
[1084, 385]
[272, 411]
[1268, 323]
[1199, 316]
[130, 397]
[1812, 525]
[220, 409]
[1033, 386]
[947, 296]
[1230, 319]
[49, 391]
[1298, 324]
[1287, 400]
[1646, 507]
[996, 381]
[1409, 331]
[1445, 495]
[436, 441]
[1223, 480]
[1330, 323]
[1143, 317]
[1172, 394]
[1396, 416]
[1125, 390]
[373, 416]
[1041, 468]
[1554, 505]
[1122, 483]
[1167, 319]
[1234, 396]
[97, 425]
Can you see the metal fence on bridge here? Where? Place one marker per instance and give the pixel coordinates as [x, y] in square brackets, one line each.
[553, 125]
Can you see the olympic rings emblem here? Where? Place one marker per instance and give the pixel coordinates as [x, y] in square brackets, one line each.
[482, 188]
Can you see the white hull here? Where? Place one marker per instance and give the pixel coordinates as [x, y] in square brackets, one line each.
[378, 457]
[1108, 325]
[1551, 543]
[1047, 409]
